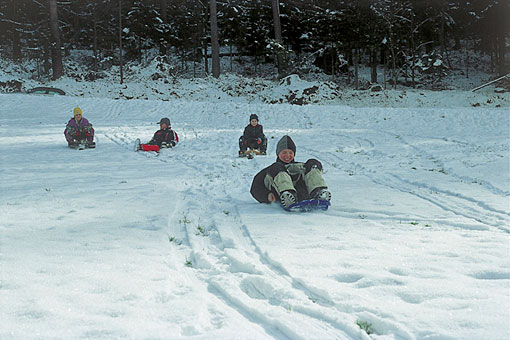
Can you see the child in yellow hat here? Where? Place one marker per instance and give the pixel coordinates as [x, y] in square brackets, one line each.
[79, 130]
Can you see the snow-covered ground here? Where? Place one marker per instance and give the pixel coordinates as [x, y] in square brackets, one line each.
[164, 79]
[114, 244]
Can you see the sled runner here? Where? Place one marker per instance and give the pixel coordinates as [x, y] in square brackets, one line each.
[82, 145]
[308, 205]
[250, 153]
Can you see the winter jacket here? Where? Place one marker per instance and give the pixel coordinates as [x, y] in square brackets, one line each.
[78, 129]
[296, 170]
[253, 132]
[167, 136]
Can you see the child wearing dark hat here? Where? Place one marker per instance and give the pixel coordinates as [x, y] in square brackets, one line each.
[253, 137]
[289, 181]
[164, 137]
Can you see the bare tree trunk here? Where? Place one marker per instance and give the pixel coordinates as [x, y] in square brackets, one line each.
[441, 34]
[215, 46]
[206, 58]
[502, 53]
[467, 60]
[447, 54]
[492, 55]
[231, 57]
[382, 54]
[384, 75]
[94, 40]
[56, 50]
[332, 63]
[38, 61]
[121, 61]
[46, 57]
[356, 68]
[76, 23]
[278, 36]
[394, 65]
[140, 50]
[194, 62]
[96, 54]
[16, 49]
[206, 45]
[443, 41]
[413, 51]
[373, 65]
[163, 7]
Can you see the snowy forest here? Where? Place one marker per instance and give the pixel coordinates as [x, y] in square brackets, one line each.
[405, 37]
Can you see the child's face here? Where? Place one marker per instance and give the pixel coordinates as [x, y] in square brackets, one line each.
[77, 117]
[163, 126]
[254, 122]
[286, 155]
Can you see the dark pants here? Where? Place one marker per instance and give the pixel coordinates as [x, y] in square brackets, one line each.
[252, 144]
[81, 135]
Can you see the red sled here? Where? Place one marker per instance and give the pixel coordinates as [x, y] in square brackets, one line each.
[145, 147]
[148, 147]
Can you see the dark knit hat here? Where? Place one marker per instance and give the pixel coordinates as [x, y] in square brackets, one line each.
[165, 121]
[285, 143]
[254, 116]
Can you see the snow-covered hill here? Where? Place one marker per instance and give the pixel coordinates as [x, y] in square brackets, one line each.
[157, 79]
[114, 244]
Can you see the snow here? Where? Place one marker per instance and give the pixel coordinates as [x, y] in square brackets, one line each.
[116, 244]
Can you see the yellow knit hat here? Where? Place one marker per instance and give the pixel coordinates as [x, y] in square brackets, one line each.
[77, 111]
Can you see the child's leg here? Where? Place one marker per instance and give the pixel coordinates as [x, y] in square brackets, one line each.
[313, 176]
[263, 146]
[90, 135]
[242, 144]
[278, 179]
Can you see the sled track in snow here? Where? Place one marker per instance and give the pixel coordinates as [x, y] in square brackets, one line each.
[230, 262]
[244, 281]
[222, 253]
[429, 155]
[456, 203]
[237, 271]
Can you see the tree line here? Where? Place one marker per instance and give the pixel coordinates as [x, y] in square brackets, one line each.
[407, 36]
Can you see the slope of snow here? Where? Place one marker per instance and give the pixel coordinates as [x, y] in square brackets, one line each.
[158, 78]
[114, 244]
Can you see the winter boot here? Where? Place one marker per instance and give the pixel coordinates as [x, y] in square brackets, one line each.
[287, 198]
[321, 194]
[72, 144]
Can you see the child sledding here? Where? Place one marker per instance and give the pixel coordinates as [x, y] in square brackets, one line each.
[296, 185]
[165, 137]
[253, 141]
[79, 132]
